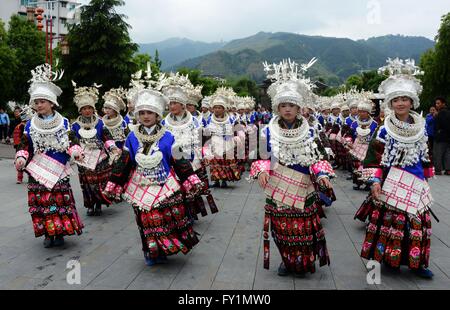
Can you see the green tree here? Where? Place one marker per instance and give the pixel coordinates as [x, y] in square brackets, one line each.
[354, 81]
[369, 80]
[8, 63]
[141, 61]
[195, 76]
[372, 80]
[244, 87]
[28, 46]
[101, 50]
[436, 65]
[427, 65]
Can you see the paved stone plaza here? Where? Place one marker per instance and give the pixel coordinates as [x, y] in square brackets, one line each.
[229, 255]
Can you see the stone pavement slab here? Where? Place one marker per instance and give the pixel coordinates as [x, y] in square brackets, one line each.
[229, 255]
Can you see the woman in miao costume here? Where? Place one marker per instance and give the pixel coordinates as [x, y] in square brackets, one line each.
[335, 123]
[220, 149]
[137, 83]
[206, 113]
[194, 95]
[187, 131]
[95, 169]
[293, 177]
[244, 121]
[251, 131]
[113, 123]
[346, 133]
[147, 175]
[398, 207]
[46, 148]
[363, 130]
[341, 151]
[319, 134]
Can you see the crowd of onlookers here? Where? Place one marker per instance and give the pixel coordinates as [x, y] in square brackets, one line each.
[438, 129]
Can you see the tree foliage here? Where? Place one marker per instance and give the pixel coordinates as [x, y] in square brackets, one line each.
[101, 50]
[27, 45]
[436, 65]
[8, 63]
[141, 61]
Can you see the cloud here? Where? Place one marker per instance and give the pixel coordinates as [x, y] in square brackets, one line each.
[215, 20]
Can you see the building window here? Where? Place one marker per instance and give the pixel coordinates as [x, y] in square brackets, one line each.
[63, 4]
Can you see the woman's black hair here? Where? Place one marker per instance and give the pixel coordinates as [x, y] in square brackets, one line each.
[441, 99]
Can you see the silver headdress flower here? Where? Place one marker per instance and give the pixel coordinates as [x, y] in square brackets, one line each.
[402, 81]
[42, 86]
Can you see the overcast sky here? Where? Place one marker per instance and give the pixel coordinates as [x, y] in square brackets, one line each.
[216, 20]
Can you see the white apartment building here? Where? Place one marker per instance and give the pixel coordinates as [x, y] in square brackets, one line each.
[62, 12]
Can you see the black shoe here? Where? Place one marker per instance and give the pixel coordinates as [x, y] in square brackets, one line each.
[395, 270]
[59, 241]
[48, 242]
[162, 259]
[300, 275]
[282, 270]
[356, 187]
[98, 210]
[90, 212]
[424, 273]
[224, 185]
[349, 178]
[215, 185]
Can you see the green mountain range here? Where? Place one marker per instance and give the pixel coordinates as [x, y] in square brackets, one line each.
[176, 50]
[338, 58]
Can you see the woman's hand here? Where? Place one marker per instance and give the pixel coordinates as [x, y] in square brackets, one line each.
[117, 152]
[325, 182]
[263, 178]
[376, 190]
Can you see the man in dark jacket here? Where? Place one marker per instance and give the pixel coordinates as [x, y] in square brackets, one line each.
[430, 126]
[441, 151]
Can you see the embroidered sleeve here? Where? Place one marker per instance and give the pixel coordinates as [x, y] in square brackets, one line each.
[323, 168]
[23, 154]
[258, 167]
[110, 144]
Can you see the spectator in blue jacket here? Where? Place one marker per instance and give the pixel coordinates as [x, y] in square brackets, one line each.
[4, 124]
